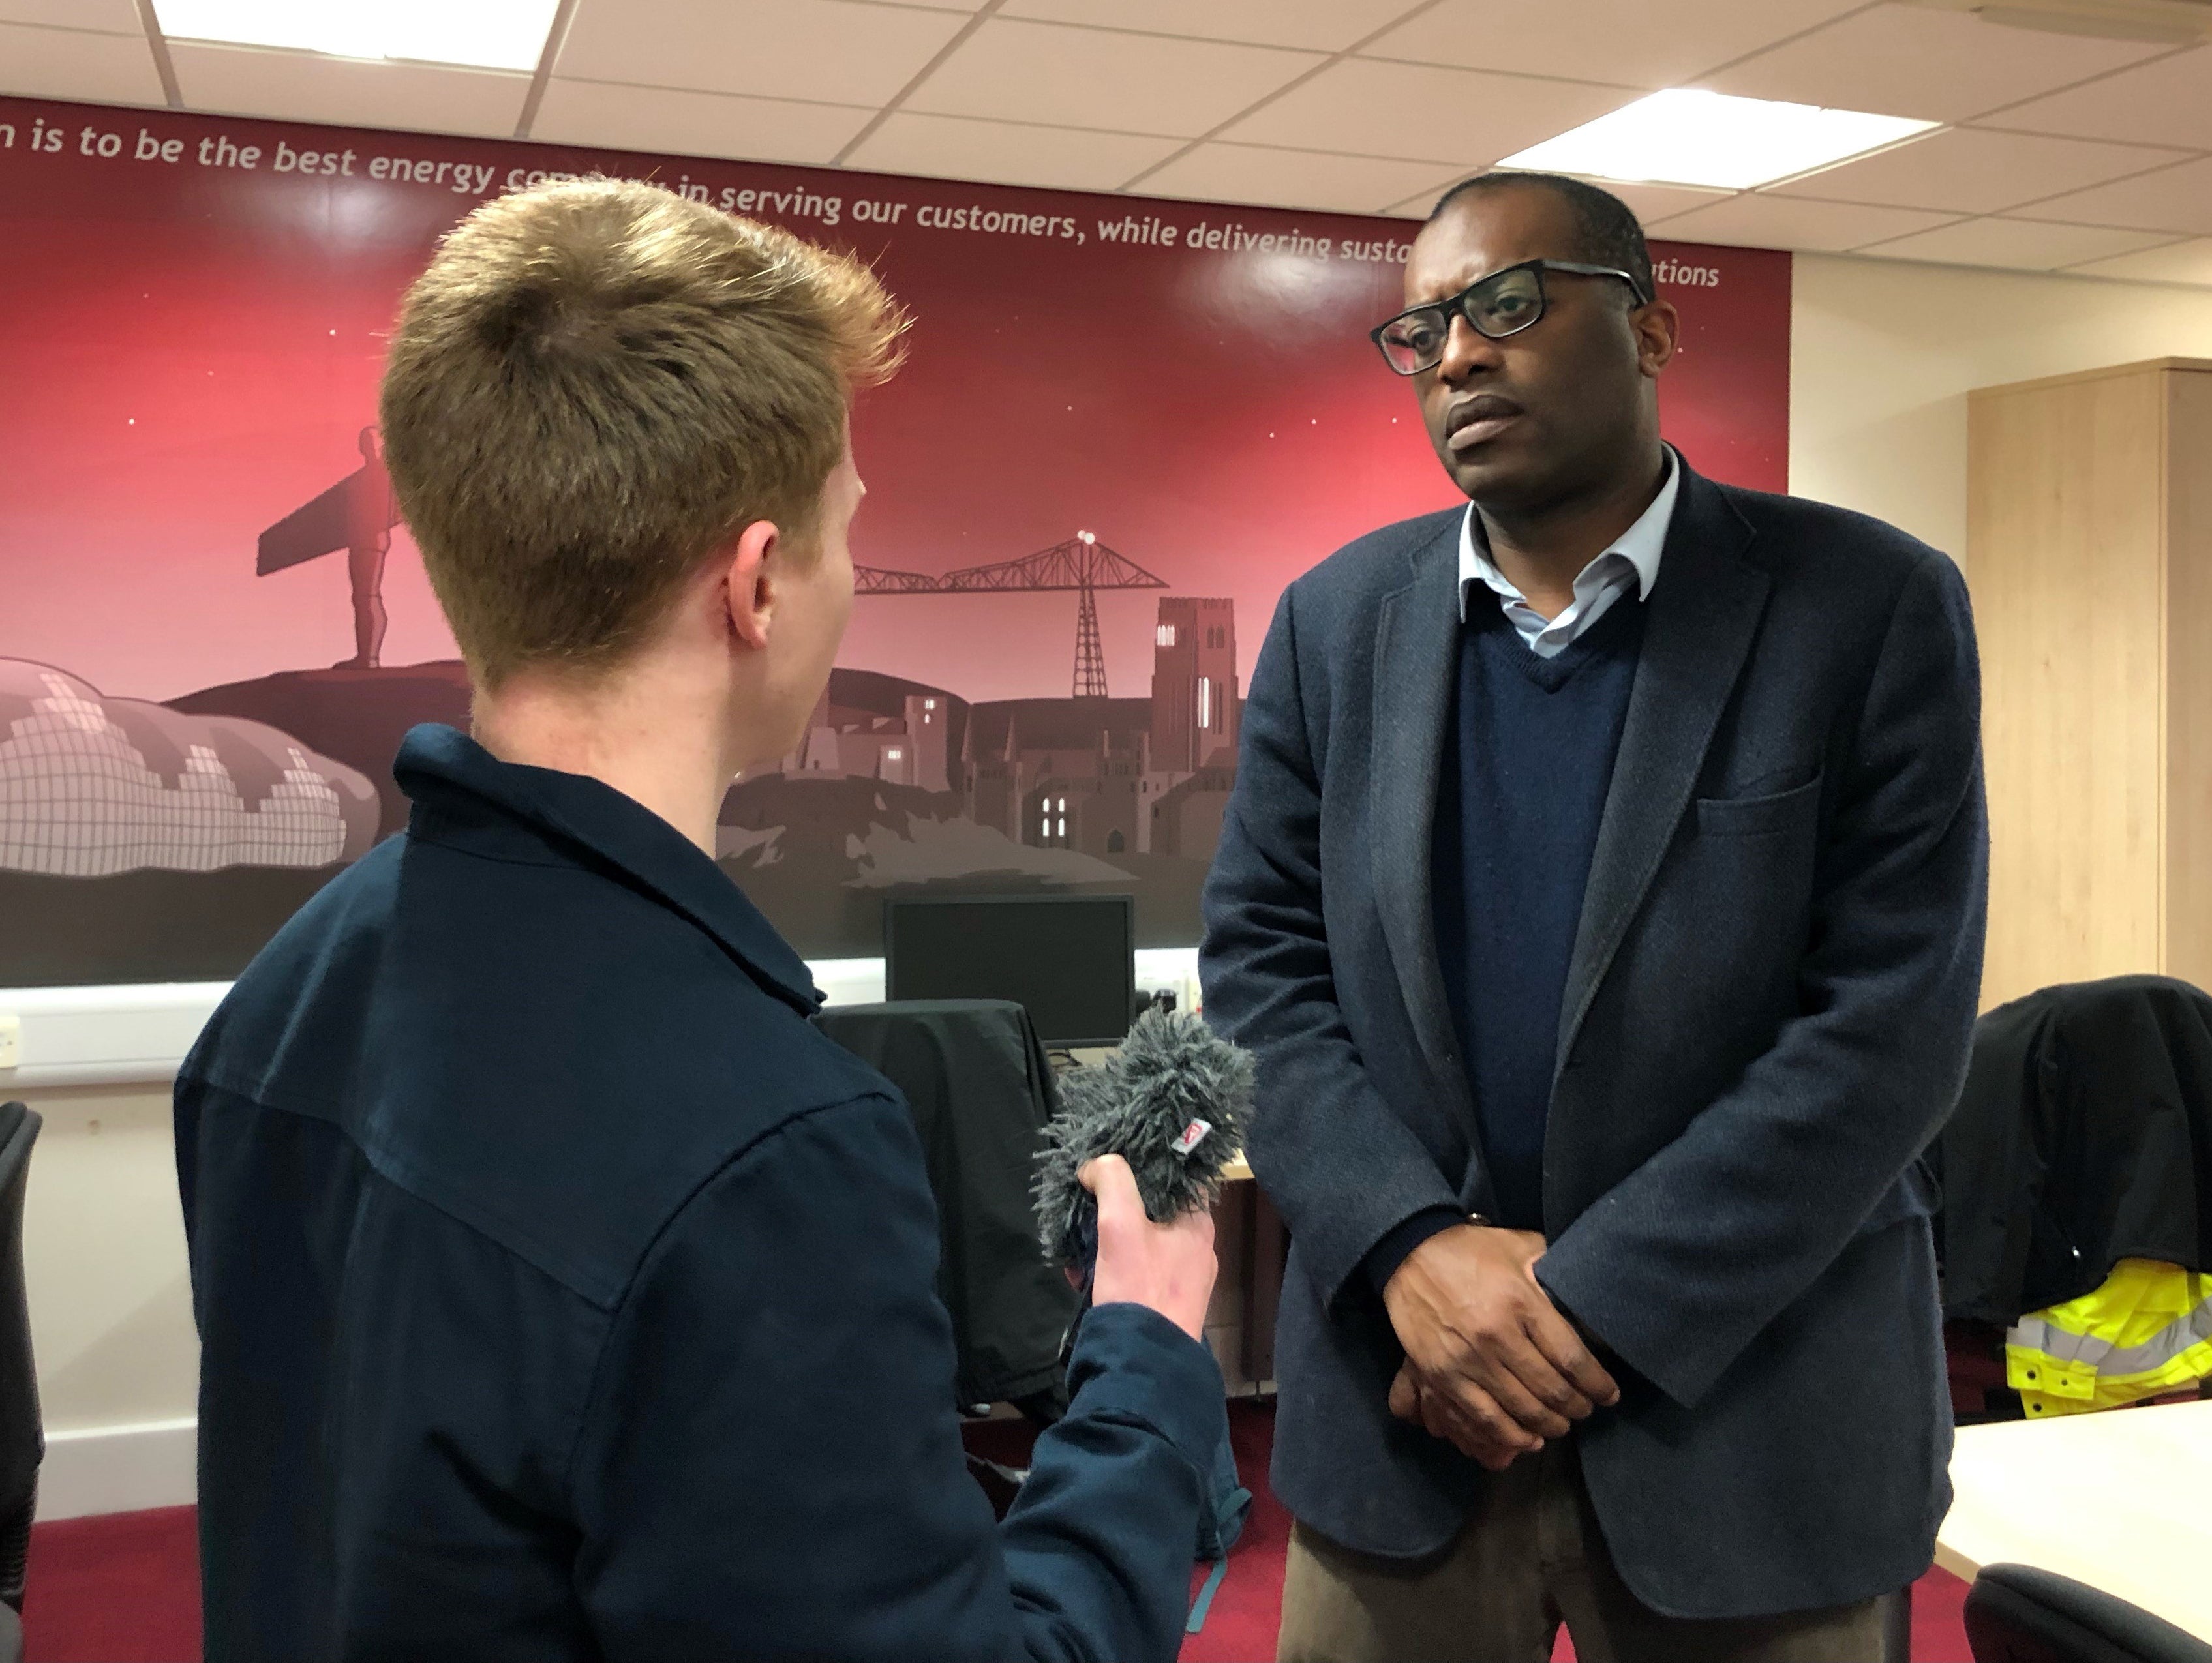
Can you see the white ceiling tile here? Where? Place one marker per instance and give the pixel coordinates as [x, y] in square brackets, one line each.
[1650, 203]
[1004, 153]
[1971, 171]
[1293, 179]
[349, 91]
[103, 69]
[1317, 25]
[1655, 204]
[2172, 199]
[693, 123]
[1601, 40]
[1757, 220]
[1012, 70]
[1425, 113]
[2017, 243]
[2168, 102]
[112, 17]
[1422, 202]
[1904, 60]
[830, 51]
[2187, 262]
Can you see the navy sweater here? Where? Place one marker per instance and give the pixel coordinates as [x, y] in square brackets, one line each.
[1526, 770]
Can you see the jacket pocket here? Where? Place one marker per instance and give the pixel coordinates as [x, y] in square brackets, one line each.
[1752, 817]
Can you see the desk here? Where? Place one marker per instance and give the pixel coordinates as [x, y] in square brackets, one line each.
[1264, 1247]
[2116, 1499]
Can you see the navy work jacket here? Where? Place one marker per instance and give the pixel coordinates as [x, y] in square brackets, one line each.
[563, 1295]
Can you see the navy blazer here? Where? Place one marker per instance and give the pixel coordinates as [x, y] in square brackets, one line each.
[562, 1295]
[1766, 1017]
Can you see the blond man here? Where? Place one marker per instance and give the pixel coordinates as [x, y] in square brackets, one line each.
[561, 1293]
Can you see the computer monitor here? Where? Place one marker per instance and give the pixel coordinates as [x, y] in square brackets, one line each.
[1072, 960]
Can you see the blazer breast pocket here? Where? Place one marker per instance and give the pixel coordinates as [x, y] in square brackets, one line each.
[1756, 816]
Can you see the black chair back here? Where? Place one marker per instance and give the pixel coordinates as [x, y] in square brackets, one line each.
[22, 1441]
[2018, 1614]
[981, 1089]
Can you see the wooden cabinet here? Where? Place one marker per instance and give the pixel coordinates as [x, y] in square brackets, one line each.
[2090, 556]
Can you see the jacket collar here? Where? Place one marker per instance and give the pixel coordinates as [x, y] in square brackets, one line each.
[1416, 645]
[466, 798]
[1698, 629]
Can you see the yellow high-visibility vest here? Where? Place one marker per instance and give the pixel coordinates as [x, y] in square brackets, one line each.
[2146, 1331]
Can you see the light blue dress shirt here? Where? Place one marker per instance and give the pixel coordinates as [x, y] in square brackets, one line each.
[1631, 562]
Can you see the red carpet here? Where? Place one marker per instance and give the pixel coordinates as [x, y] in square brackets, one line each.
[121, 1588]
[125, 1588]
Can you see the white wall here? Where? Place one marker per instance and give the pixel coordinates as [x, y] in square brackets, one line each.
[111, 1303]
[1883, 355]
[104, 1252]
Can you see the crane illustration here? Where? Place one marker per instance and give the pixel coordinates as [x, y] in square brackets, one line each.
[1082, 563]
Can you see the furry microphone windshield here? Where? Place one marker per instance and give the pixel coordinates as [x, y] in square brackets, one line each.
[1174, 1102]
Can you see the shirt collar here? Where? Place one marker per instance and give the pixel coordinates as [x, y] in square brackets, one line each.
[466, 796]
[1641, 545]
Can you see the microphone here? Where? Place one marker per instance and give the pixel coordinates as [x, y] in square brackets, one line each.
[1174, 1100]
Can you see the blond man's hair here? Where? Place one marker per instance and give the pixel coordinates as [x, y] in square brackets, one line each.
[598, 383]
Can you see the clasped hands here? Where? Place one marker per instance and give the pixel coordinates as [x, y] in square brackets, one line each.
[1492, 1365]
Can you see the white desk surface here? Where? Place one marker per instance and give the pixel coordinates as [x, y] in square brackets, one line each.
[2119, 1499]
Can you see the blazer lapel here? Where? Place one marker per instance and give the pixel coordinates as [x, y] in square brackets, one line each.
[1705, 610]
[1416, 654]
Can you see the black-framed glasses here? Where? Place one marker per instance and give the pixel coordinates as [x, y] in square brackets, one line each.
[1504, 303]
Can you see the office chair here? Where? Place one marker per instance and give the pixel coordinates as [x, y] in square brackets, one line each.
[22, 1441]
[2082, 1136]
[2017, 1614]
[976, 1078]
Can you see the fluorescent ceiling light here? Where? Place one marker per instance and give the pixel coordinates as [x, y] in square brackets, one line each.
[491, 34]
[1686, 137]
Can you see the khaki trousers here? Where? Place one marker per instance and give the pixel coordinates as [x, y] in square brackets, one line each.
[1530, 1558]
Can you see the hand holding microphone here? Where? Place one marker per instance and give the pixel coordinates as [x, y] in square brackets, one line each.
[1169, 1267]
[1131, 1164]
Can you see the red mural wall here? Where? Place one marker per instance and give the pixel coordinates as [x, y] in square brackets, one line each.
[1149, 414]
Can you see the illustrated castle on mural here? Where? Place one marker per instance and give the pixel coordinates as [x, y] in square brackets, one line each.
[897, 787]
[1098, 775]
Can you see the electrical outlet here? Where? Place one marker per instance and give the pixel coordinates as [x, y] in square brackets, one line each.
[11, 1040]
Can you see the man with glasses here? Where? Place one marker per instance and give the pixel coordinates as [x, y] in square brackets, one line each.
[1602, 893]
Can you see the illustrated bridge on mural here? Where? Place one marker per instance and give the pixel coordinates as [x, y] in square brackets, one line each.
[1082, 563]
